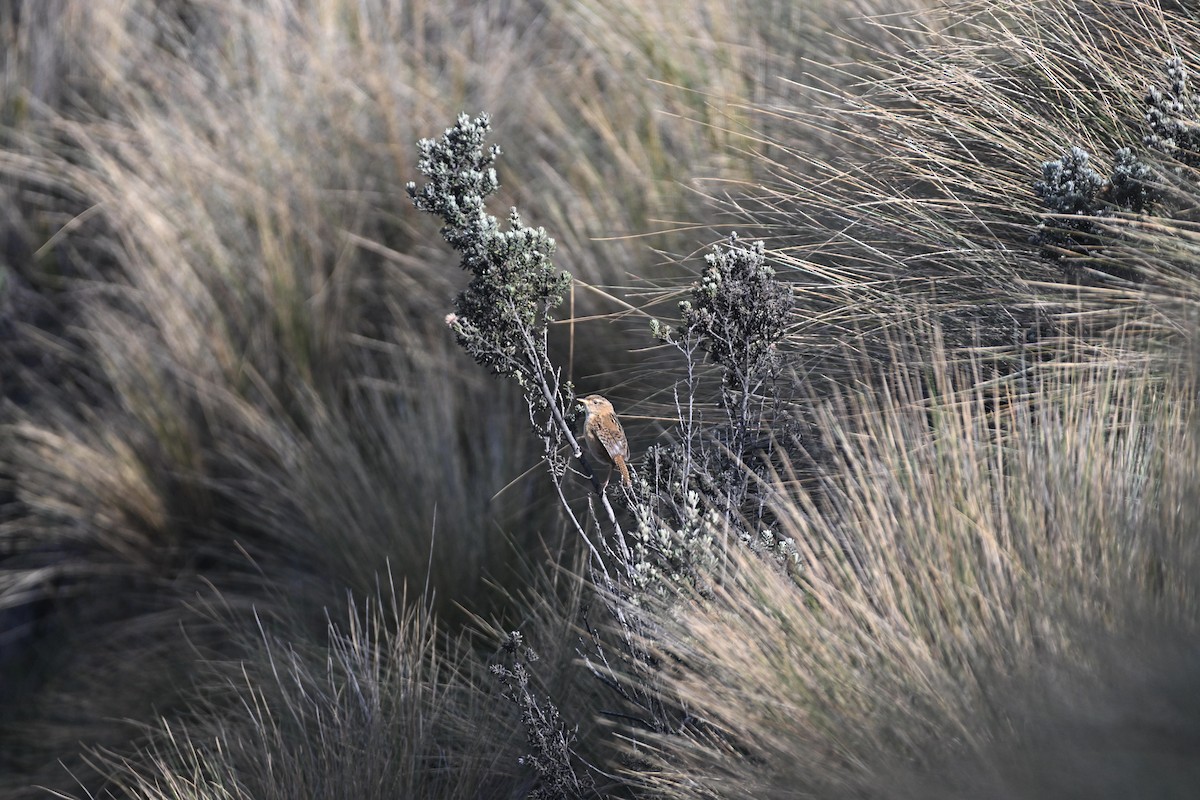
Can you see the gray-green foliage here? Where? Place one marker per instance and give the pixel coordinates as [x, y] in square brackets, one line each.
[1072, 189]
[739, 309]
[1079, 196]
[678, 557]
[551, 743]
[1172, 116]
[1070, 185]
[770, 542]
[738, 314]
[501, 317]
[1132, 186]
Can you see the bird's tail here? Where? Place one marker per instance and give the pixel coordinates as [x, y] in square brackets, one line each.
[623, 468]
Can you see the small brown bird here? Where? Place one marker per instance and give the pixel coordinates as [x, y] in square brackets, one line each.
[606, 438]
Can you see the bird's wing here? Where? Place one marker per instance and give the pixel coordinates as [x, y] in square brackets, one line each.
[613, 439]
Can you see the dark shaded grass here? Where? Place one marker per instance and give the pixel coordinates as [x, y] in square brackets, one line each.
[384, 708]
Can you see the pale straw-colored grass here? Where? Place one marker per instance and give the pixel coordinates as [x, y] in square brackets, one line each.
[983, 572]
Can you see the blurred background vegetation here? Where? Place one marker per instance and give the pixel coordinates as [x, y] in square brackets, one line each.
[262, 525]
